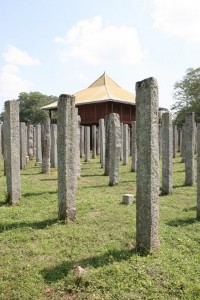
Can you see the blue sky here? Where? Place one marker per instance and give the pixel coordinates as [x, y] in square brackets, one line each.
[62, 46]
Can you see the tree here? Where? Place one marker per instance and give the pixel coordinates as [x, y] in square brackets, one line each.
[187, 96]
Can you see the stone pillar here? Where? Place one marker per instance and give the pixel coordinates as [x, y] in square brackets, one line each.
[167, 154]
[198, 170]
[183, 144]
[87, 143]
[129, 141]
[180, 140]
[102, 142]
[78, 144]
[195, 138]
[1, 150]
[82, 142]
[134, 147]
[67, 157]
[38, 144]
[174, 141]
[107, 145]
[23, 145]
[122, 141]
[53, 153]
[34, 141]
[147, 180]
[30, 141]
[12, 145]
[114, 148]
[160, 140]
[47, 147]
[94, 141]
[125, 144]
[98, 142]
[189, 148]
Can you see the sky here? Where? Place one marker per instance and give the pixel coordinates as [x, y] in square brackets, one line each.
[63, 46]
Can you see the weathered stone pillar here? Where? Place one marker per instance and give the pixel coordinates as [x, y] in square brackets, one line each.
[34, 141]
[180, 140]
[174, 140]
[189, 148]
[122, 141]
[12, 145]
[107, 145]
[94, 141]
[147, 179]
[129, 141]
[102, 142]
[98, 142]
[23, 145]
[67, 157]
[114, 148]
[183, 144]
[30, 141]
[53, 153]
[195, 138]
[198, 170]
[47, 147]
[78, 144]
[82, 142]
[1, 150]
[38, 144]
[87, 143]
[125, 144]
[160, 140]
[134, 147]
[167, 153]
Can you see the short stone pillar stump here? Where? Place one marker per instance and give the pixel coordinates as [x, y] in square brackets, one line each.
[127, 199]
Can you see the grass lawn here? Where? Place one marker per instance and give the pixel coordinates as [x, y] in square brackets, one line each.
[38, 253]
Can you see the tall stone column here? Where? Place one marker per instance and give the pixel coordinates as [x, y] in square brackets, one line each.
[78, 144]
[23, 145]
[87, 143]
[102, 142]
[12, 145]
[180, 140]
[67, 157]
[107, 145]
[1, 150]
[147, 180]
[53, 152]
[122, 141]
[174, 141]
[94, 141]
[125, 144]
[34, 141]
[38, 143]
[30, 141]
[160, 140]
[47, 148]
[98, 141]
[114, 148]
[189, 148]
[82, 142]
[134, 147]
[198, 170]
[183, 144]
[167, 154]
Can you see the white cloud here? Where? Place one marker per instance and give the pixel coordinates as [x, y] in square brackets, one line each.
[16, 56]
[91, 41]
[11, 83]
[178, 18]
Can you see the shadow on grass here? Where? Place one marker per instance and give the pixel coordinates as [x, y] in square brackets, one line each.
[182, 222]
[176, 186]
[4, 203]
[48, 179]
[194, 208]
[95, 186]
[38, 193]
[60, 271]
[93, 175]
[34, 225]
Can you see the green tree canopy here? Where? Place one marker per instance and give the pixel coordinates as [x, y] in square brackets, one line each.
[30, 107]
[187, 96]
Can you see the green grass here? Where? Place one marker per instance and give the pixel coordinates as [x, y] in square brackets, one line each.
[38, 253]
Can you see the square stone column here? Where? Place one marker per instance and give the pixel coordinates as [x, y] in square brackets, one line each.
[53, 153]
[125, 144]
[38, 132]
[67, 157]
[167, 154]
[147, 176]
[189, 148]
[102, 142]
[94, 141]
[198, 170]
[12, 149]
[134, 147]
[47, 148]
[23, 145]
[87, 143]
